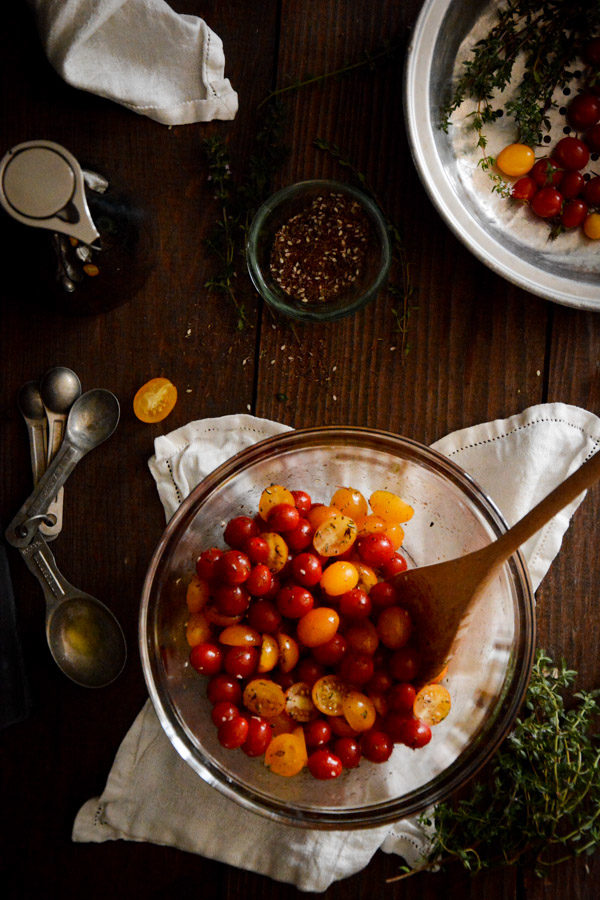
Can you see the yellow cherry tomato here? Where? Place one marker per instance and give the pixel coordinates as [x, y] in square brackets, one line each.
[240, 636]
[339, 577]
[372, 523]
[289, 652]
[432, 704]
[278, 551]
[359, 711]
[351, 503]
[198, 630]
[269, 654]
[335, 535]
[515, 159]
[273, 496]
[299, 704]
[391, 507]
[317, 626]
[328, 695]
[286, 754]
[591, 226]
[197, 594]
[155, 400]
[366, 576]
[264, 697]
[396, 535]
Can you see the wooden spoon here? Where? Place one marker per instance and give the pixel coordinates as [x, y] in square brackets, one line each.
[439, 596]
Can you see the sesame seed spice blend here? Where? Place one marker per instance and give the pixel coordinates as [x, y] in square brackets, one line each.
[320, 252]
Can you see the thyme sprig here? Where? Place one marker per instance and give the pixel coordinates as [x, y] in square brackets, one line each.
[239, 201]
[548, 36]
[400, 285]
[540, 802]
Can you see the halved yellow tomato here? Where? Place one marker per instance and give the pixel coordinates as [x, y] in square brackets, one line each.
[286, 754]
[264, 697]
[154, 400]
[432, 704]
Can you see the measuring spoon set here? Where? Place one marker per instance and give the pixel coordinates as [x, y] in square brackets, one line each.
[64, 424]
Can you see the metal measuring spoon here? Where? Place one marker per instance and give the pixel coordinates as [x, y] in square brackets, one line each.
[59, 389]
[32, 409]
[92, 419]
[83, 635]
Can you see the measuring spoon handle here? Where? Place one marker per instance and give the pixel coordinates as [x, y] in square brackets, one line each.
[21, 530]
[41, 562]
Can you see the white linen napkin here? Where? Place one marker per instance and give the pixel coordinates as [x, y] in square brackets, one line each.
[141, 54]
[153, 795]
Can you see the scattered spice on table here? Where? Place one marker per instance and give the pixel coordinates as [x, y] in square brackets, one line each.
[320, 252]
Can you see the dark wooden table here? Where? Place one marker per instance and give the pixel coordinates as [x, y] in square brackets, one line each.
[478, 348]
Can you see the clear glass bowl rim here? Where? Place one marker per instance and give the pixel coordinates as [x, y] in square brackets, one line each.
[324, 313]
[470, 761]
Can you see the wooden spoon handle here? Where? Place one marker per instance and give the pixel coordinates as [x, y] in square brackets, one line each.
[556, 500]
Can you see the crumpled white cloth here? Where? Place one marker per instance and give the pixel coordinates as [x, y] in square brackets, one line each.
[153, 795]
[141, 54]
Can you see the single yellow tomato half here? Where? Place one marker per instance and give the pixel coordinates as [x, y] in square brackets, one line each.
[432, 704]
[515, 159]
[286, 754]
[155, 400]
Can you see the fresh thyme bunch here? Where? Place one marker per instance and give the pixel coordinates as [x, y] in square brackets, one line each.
[549, 36]
[540, 803]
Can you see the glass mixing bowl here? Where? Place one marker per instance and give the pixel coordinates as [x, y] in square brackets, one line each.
[487, 676]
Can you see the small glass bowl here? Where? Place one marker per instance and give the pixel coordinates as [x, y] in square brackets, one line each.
[278, 210]
[487, 676]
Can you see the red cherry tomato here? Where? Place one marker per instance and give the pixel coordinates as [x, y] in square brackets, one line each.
[301, 537]
[257, 549]
[233, 567]
[574, 213]
[592, 138]
[232, 599]
[400, 697]
[571, 153]
[523, 189]
[283, 517]
[348, 751]
[264, 616]
[583, 111]
[404, 664]
[294, 601]
[258, 737]
[259, 581]
[547, 203]
[355, 604]
[224, 687]
[233, 733]
[375, 548]
[317, 733]
[206, 658]
[414, 733]
[591, 191]
[546, 173]
[376, 746]
[357, 668]
[224, 711]
[383, 594]
[394, 566]
[309, 670]
[324, 764]
[572, 185]
[394, 724]
[207, 562]
[302, 501]
[332, 652]
[238, 530]
[307, 569]
[241, 661]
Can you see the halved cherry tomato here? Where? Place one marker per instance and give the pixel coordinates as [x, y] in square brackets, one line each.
[299, 704]
[264, 697]
[359, 711]
[154, 400]
[432, 704]
[351, 503]
[335, 535]
[273, 496]
[391, 507]
[286, 754]
[328, 695]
